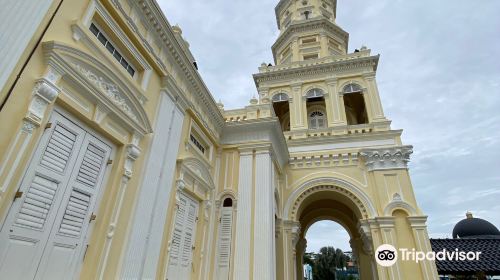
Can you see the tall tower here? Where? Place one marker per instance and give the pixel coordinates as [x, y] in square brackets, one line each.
[345, 163]
[308, 31]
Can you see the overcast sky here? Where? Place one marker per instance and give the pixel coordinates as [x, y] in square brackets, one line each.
[438, 77]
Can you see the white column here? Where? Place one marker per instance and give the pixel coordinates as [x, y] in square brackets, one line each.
[132, 153]
[297, 108]
[264, 239]
[374, 98]
[388, 230]
[144, 245]
[243, 217]
[423, 244]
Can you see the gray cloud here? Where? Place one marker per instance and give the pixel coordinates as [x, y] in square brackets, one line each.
[439, 79]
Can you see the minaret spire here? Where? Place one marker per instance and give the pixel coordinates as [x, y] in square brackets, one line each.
[308, 31]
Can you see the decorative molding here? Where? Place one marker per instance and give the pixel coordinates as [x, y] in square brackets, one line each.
[365, 207]
[314, 70]
[151, 14]
[398, 203]
[28, 126]
[226, 194]
[324, 160]
[310, 25]
[198, 170]
[387, 158]
[101, 85]
[108, 88]
[265, 131]
[44, 93]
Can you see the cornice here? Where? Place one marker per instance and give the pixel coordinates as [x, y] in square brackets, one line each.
[282, 3]
[308, 25]
[163, 30]
[258, 134]
[318, 69]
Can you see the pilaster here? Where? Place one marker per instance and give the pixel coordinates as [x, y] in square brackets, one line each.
[43, 95]
[374, 98]
[264, 241]
[244, 216]
[148, 224]
[297, 118]
[421, 238]
[132, 154]
[388, 231]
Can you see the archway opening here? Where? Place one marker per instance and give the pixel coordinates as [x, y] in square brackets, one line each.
[282, 110]
[316, 109]
[354, 104]
[328, 253]
[330, 205]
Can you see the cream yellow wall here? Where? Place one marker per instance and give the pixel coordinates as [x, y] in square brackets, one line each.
[61, 31]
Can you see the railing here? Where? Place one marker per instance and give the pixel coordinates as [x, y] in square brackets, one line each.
[330, 131]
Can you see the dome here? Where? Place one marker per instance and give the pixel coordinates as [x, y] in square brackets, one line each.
[471, 227]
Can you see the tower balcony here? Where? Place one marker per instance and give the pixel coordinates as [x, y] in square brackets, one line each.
[363, 53]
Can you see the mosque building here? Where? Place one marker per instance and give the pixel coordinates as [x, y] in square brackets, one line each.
[116, 162]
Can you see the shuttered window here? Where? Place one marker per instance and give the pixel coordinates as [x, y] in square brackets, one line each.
[38, 203]
[225, 236]
[91, 165]
[47, 224]
[75, 213]
[59, 149]
[225, 240]
[181, 248]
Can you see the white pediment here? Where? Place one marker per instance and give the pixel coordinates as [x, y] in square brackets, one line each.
[100, 84]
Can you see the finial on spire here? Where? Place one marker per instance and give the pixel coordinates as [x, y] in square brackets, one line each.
[469, 215]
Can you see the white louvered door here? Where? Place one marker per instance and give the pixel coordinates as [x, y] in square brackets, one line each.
[225, 232]
[181, 248]
[39, 226]
[66, 241]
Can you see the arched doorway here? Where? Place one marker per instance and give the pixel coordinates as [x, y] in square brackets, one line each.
[328, 252]
[335, 200]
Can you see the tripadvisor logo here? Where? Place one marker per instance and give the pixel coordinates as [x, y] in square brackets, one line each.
[387, 255]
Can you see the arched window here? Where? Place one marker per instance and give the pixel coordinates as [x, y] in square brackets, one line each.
[282, 109]
[280, 97]
[317, 119]
[350, 88]
[315, 93]
[354, 104]
[225, 234]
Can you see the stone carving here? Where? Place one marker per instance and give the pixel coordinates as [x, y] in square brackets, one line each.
[109, 89]
[387, 158]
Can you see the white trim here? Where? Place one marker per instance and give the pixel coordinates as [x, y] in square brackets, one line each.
[345, 145]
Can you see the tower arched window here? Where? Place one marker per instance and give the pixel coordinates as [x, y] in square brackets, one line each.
[316, 108]
[317, 119]
[225, 238]
[280, 97]
[354, 104]
[315, 93]
[282, 109]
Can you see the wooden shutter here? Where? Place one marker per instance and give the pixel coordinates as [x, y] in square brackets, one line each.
[66, 241]
[225, 233]
[181, 248]
[225, 236]
[31, 217]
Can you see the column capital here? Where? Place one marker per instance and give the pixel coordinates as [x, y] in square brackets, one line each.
[369, 76]
[332, 81]
[386, 222]
[387, 158]
[417, 221]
